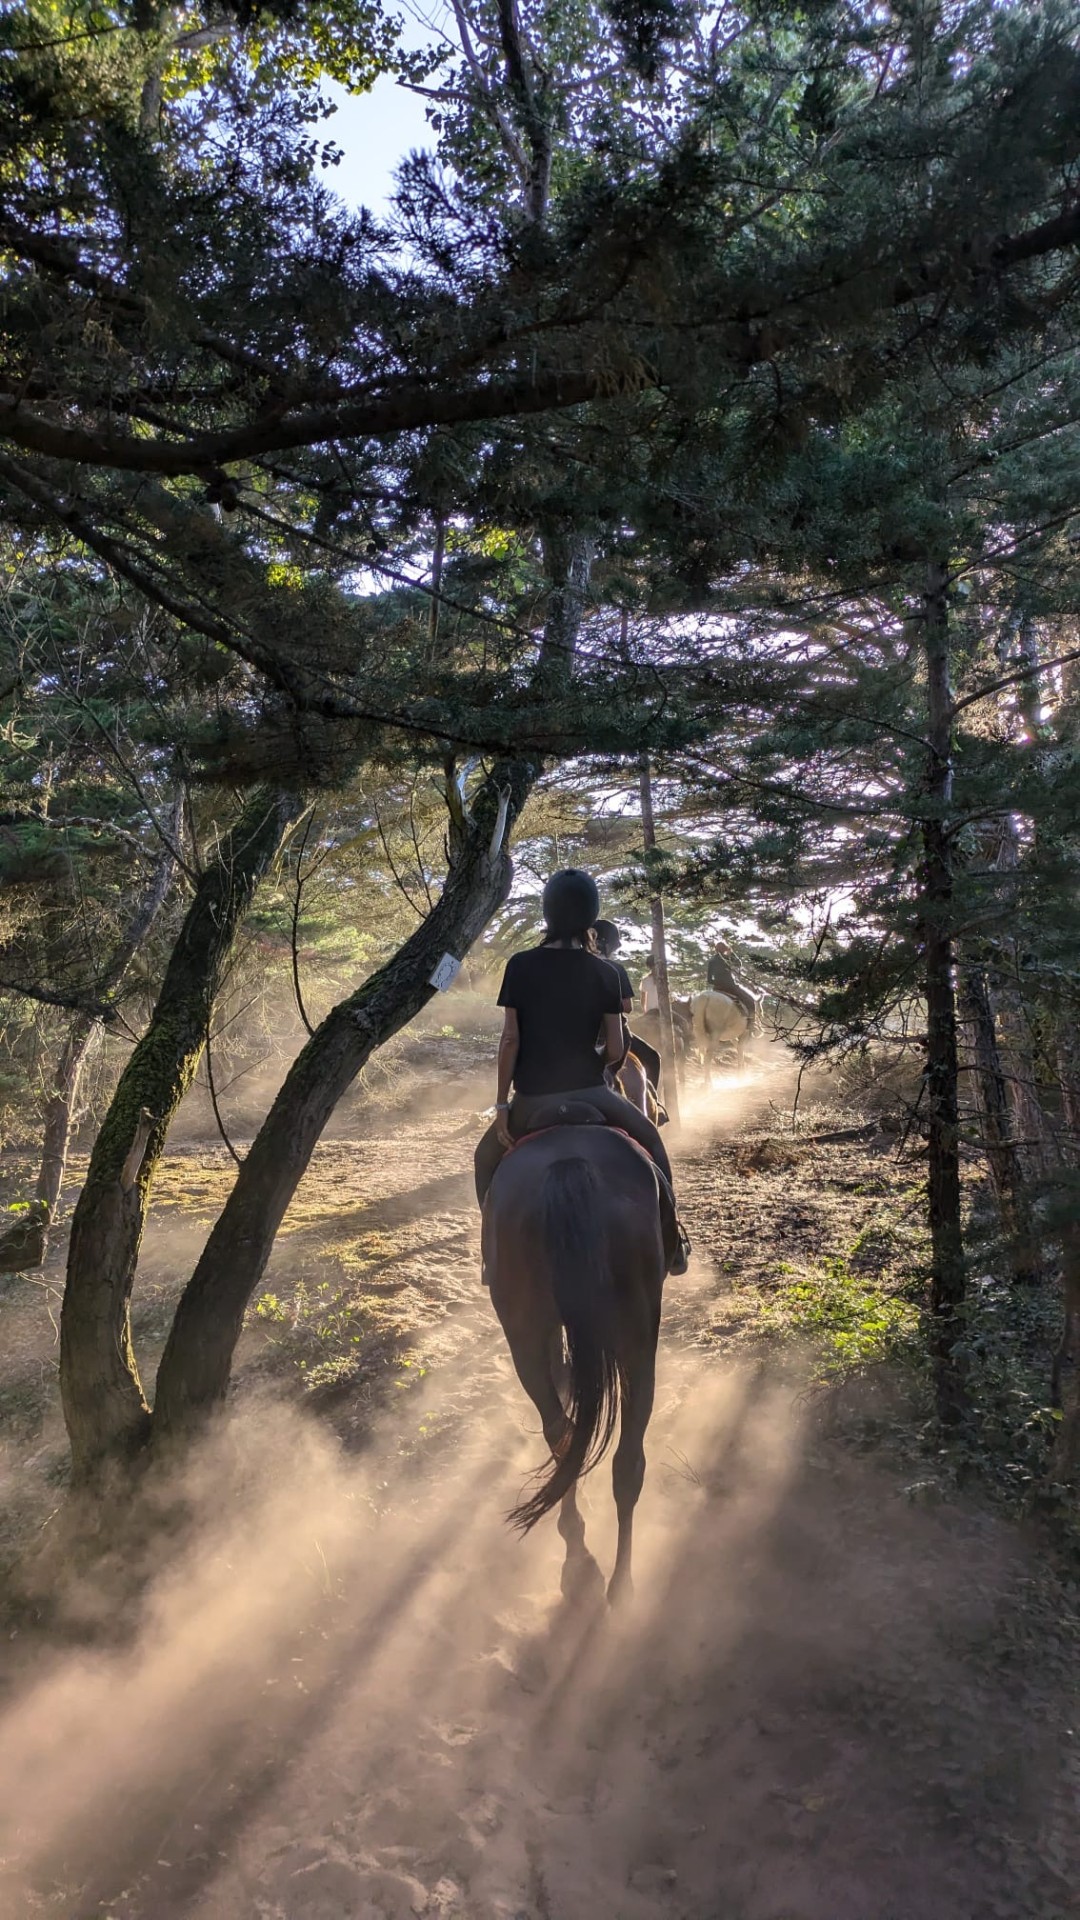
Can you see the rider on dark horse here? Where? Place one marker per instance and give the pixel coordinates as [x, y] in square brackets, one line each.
[557, 999]
[608, 941]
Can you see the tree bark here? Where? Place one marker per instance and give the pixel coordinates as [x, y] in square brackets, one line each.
[83, 1037]
[1006, 1172]
[1032, 1130]
[197, 1362]
[27, 1246]
[106, 1413]
[659, 953]
[1066, 1378]
[942, 1060]
[25, 1243]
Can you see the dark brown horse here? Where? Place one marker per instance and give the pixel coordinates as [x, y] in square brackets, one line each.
[573, 1251]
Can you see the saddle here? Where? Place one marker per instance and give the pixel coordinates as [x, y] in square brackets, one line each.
[564, 1113]
[578, 1113]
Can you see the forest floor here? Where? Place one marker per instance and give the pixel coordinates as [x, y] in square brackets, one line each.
[846, 1688]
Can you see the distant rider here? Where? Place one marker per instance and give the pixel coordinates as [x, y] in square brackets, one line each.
[556, 998]
[721, 979]
[650, 992]
[608, 940]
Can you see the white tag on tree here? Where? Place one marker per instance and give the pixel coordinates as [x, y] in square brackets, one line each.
[445, 973]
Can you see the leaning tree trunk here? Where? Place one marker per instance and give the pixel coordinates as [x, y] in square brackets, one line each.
[83, 1038]
[936, 912]
[196, 1365]
[106, 1413]
[659, 947]
[1006, 1173]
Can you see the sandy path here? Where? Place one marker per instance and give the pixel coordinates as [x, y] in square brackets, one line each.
[363, 1700]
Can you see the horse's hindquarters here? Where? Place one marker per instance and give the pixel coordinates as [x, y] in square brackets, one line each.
[573, 1240]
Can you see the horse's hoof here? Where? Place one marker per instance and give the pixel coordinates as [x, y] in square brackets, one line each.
[581, 1577]
[620, 1592]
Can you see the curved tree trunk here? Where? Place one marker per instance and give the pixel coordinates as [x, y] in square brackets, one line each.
[104, 1407]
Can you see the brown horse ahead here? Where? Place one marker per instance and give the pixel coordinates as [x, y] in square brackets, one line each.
[572, 1245]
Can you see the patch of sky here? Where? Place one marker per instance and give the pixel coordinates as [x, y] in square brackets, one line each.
[375, 131]
[378, 129]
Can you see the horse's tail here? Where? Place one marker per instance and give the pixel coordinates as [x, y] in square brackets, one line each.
[574, 1244]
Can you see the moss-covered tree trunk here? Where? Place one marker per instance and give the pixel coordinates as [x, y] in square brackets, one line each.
[104, 1406]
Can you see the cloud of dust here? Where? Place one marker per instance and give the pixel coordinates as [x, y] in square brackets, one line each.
[726, 1098]
[330, 1629]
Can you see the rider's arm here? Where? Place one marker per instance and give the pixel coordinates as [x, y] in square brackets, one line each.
[614, 1043]
[509, 1042]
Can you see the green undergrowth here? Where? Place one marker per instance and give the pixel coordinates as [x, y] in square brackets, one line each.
[850, 1321]
[859, 1321]
[1007, 1348]
[859, 1307]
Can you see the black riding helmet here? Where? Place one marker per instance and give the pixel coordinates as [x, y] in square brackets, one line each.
[608, 937]
[571, 903]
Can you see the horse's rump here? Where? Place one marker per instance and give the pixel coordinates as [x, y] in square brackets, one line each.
[572, 1238]
[718, 1017]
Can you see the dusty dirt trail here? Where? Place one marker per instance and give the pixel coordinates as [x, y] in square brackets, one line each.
[363, 1700]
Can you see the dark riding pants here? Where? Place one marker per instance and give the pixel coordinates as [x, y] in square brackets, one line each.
[527, 1106]
[746, 1002]
[720, 979]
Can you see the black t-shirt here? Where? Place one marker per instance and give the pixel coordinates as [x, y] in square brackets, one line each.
[561, 995]
[624, 980]
[719, 974]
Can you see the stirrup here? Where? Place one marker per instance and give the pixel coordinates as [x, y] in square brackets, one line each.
[680, 1259]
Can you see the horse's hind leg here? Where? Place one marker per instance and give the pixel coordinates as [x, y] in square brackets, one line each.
[581, 1573]
[628, 1470]
[541, 1367]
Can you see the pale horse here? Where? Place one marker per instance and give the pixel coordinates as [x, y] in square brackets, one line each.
[720, 1024]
